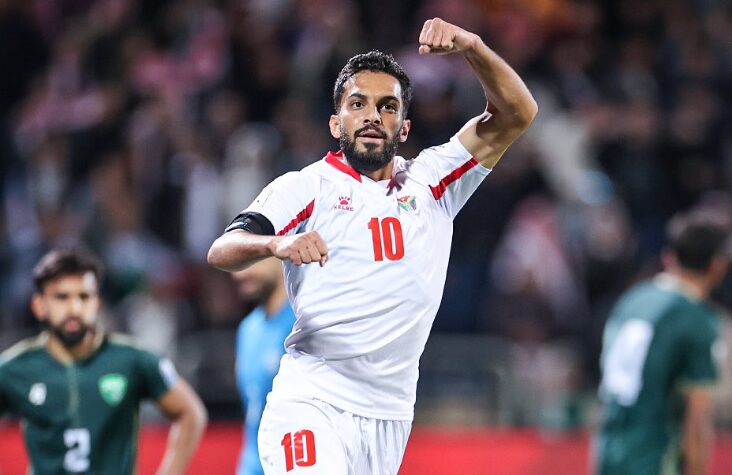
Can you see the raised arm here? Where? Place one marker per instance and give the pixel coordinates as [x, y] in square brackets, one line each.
[189, 416]
[510, 109]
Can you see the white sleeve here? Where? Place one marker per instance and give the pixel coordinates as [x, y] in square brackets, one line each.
[451, 173]
[287, 202]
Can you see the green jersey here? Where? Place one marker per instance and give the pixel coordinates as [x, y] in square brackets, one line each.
[81, 417]
[656, 341]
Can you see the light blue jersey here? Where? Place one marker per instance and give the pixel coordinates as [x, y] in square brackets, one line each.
[259, 347]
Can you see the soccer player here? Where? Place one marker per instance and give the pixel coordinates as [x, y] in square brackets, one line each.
[78, 390]
[259, 347]
[365, 237]
[658, 359]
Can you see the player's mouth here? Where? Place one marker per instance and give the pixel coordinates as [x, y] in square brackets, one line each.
[371, 135]
[371, 140]
[73, 324]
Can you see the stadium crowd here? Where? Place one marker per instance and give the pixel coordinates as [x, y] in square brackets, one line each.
[140, 127]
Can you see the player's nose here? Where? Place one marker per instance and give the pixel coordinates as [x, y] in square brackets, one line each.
[372, 115]
[75, 305]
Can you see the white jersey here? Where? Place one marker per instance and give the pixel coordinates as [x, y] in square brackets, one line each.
[363, 319]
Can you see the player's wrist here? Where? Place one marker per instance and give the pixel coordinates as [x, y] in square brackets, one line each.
[470, 42]
[271, 246]
[477, 41]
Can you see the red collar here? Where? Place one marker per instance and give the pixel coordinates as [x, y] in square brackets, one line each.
[334, 159]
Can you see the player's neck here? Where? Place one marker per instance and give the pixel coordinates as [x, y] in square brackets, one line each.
[688, 283]
[67, 355]
[275, 301]
[382, 173]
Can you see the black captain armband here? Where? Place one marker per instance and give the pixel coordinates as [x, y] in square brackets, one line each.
[254, 223]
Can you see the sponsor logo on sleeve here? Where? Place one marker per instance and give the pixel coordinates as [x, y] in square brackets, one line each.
[167, 371]
[263, 197]
[719, 352]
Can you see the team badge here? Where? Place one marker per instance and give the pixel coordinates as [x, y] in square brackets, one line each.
[37, 394]
[113, 387]
[407, 203]
[344, 203]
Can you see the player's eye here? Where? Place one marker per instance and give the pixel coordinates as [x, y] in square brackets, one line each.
[389, 107]
[356, 104]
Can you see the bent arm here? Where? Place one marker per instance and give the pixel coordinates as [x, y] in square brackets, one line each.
[510, 106]
[236, 250]
[189, 416]
[698, 430]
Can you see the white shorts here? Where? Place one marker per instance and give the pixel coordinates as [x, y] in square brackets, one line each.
[312, 437]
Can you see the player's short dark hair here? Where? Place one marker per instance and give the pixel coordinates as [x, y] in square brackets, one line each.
[375, 61]
[696, 237]
[63, 262]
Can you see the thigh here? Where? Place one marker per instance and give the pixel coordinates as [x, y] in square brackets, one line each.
[301, 437]
[387, 441]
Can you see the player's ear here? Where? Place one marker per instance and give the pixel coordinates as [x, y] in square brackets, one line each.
[668, 260]
[38, 307]
[335, 126]
[404, 131]
[718, 268]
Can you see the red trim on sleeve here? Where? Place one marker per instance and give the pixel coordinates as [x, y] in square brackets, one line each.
[301, 216]
[334, 159]
[439, 190]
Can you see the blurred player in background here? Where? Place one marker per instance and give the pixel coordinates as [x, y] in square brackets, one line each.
[78, 390]
[260, 344]
[658, 360]
[365, 239]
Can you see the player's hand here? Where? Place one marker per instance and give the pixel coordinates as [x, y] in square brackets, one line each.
[441, 37]
[304, 248]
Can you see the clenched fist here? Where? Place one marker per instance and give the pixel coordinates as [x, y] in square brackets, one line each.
[304, 248]
[441, 37]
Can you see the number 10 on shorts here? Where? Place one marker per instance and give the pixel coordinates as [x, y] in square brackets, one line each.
[299, 449]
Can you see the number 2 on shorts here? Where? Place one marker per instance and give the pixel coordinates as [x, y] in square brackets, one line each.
[299, 449]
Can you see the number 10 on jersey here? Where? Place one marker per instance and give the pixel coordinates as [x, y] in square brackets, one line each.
[387, 238]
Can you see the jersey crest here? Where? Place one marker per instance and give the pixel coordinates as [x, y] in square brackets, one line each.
[113, 387]
[408, 203]
[37, 394]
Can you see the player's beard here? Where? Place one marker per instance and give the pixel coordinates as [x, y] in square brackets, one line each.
[370, 160]
[69, 338]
